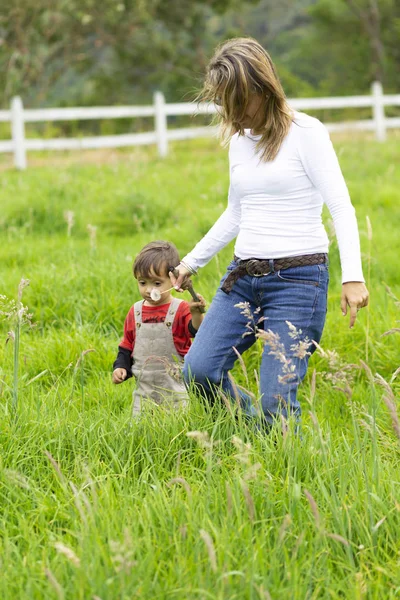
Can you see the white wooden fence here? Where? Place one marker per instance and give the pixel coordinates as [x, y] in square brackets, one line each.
[160, 111]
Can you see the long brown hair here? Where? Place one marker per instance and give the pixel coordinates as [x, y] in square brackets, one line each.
[156, 258]
[241, 67]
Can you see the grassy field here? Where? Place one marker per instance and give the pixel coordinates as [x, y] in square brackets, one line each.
[95, 506]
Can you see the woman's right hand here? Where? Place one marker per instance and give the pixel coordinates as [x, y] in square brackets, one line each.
[178, 276]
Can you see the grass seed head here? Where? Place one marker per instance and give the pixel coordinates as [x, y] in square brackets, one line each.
[201, 437]
[251, 509]
[92, 229]
[68, 553]
[69, 218]
[314, 508]
[207, 539]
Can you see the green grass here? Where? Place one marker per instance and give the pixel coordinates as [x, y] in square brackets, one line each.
[95, 506]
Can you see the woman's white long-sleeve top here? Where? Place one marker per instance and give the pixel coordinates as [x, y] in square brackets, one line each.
[274, 208]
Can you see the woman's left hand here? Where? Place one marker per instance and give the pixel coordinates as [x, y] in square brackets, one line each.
[178, 276]
[355, 296]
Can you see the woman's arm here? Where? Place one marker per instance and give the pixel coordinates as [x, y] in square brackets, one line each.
[224, 230]
[221, 233]
[322, 167]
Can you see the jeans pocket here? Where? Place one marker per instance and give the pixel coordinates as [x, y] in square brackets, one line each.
[304, 275]
[232, 265]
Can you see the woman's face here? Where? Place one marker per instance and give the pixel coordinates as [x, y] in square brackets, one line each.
[253, 115]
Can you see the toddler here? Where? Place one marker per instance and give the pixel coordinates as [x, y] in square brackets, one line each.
[157, 331]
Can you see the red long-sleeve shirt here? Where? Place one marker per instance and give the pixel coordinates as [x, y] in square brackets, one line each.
[182, 331]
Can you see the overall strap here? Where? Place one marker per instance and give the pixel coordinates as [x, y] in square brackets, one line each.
[137, 310]
[172, 310]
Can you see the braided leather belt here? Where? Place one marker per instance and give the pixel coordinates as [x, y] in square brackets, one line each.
[256, 267]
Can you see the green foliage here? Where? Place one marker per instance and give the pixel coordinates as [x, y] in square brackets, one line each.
[80, 52]
[358, 42]
[94, 505]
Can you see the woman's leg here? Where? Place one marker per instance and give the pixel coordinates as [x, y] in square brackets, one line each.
[211, 355]
[294, 307]
[293, 304]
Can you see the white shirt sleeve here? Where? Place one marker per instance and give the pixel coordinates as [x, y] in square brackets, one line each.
[221, 233]
[322, 167]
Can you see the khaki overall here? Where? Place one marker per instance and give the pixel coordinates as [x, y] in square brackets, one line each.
[156, 363]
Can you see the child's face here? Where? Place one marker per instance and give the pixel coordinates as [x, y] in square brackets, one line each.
[160, 285]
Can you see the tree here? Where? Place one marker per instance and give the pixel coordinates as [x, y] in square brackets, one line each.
[369, 17]
[85, 49]
[361, 30]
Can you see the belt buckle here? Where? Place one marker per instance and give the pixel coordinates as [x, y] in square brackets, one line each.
[251, 269]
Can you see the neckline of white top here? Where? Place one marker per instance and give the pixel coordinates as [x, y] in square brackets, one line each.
[248, 133]
[252, 136]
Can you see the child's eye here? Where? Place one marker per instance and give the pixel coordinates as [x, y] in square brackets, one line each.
[142, 283]
[157, 283]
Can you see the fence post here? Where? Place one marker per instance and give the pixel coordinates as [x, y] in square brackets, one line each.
[378, 111]
[18, 132]
[161, 124]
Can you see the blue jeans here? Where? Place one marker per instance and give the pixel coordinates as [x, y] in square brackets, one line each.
[297, 295]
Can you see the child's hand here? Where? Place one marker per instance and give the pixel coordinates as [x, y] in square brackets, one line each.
[197, 316]
[119, 375]
[195, 306]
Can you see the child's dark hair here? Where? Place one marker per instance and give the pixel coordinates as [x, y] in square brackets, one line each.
[156, 258]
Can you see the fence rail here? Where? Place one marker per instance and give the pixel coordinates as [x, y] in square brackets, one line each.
[160, 111]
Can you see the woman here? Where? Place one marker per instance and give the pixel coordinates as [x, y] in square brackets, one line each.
[282, 169]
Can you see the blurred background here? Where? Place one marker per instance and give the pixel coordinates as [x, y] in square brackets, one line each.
[91, 506]
[87, 53]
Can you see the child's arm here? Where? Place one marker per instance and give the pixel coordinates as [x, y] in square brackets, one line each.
[183, 328]
[197, 315]
[119, 375]
[122, 367]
